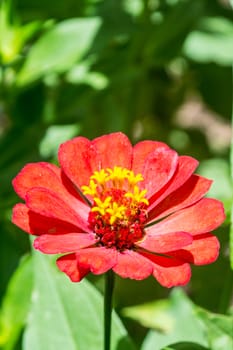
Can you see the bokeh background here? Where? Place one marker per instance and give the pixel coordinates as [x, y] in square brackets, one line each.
[154, 69]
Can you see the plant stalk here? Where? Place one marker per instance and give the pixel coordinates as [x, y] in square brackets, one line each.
[109, 286]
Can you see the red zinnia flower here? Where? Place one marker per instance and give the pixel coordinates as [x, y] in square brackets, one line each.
[136, 210]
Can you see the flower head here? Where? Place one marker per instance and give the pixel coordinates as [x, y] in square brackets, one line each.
[138, 210]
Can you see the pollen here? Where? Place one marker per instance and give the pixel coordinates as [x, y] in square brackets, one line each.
[118, 212]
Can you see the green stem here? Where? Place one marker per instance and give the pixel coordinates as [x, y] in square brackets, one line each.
[231, 162]
[109, 286]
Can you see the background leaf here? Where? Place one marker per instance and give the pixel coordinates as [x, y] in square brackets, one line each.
[213, 42]
[219, 329]
[16, 304]
[66, 315]
[186, 327]
[48, 55]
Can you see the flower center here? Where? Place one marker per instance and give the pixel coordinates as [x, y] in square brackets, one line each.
[119, 207]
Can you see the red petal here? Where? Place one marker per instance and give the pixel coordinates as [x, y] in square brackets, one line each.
[34, 175]
[68, 264]
[20, 217]
[141, 151]
[132, 265]
[79, 159]
[114, 150]
[58, 244]
[158, 169]
[37, 224]
[47, 176]
[186, 167]
[204, 250]
[205, 215]
[166, 242]
[191, 192]
[47, 203]
[98, 260]
[169, 272]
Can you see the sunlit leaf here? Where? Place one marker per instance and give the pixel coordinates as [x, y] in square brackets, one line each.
[182, 326]
[59, 48]
[81, 74]
[66, 315]
[54, 136]
[219, 329]
[16, 305]
[212, 43]
[13, 35]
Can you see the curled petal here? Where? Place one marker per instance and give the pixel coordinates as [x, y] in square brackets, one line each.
[185, 168]
[191, 192]
[37, 174]
[68, 264]
[166, 242]
[98, 260]
[132, 265]
[47, 176]
[169, 272]
[47, 203]
[44, 175]
[205, 215]
[20, 217]
[37, 224]
[203, 250]
[58, 244]
[142, 150]
[158, 169]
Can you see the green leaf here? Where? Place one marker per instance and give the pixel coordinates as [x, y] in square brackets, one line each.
[54, 136]
[154, 315]
[66, 315]
[174, 321]
[219, 329]
[81, 74]
[16, 304]
[212, 43]
[13, 36]
[185, 346]
[59, 48]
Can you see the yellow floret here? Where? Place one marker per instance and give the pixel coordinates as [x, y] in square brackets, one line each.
[116, 212]
[137, 195]
[101, 206]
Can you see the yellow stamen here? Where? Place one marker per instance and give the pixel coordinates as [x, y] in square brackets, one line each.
[116, 212]
[101, 206]
[104, 187]
[137, 195]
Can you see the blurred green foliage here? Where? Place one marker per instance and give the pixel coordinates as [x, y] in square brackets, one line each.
[157, 69]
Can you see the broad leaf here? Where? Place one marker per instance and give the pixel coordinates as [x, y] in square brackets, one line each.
[66, 315]
[16, 305]
[219, 329]
[182, 326]
[212, 43]
[59, 48]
